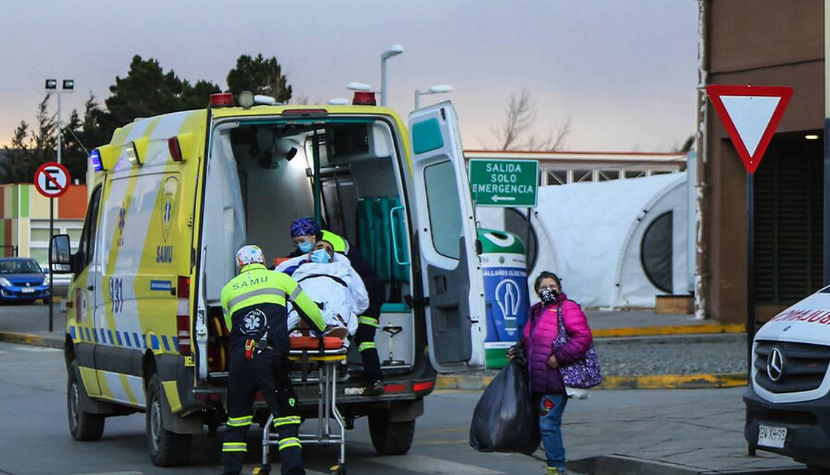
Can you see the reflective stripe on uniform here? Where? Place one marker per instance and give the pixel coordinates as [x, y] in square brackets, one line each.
[234, 447]
[289, 442]
[366, 346]
[372, 322]
[254, 293]
[288, 420]
[295, 293]
[239, 421]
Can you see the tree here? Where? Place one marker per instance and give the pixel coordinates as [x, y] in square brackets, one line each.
[518, 119]
[518, 123]
[31, 148]
[260, 76]
[147, 91]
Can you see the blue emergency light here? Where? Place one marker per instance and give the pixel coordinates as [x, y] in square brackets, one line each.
[95, 158]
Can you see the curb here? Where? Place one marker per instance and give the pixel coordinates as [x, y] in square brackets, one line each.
[657, 381]
[706, 329]
[31, 340]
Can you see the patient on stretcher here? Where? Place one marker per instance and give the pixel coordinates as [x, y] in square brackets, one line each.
[329, 279]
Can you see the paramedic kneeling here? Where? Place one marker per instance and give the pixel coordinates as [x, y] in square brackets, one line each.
[253, 303]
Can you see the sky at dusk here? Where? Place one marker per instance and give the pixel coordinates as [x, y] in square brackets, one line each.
[623, 71]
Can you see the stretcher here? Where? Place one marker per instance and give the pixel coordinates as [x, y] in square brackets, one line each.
[327, 354]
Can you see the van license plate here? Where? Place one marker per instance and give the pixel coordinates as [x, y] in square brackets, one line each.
[28, 290]
[771, 436]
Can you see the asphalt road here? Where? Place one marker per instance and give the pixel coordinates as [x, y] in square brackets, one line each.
[34, 439]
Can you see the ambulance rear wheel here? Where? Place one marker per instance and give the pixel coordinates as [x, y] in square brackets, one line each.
[390, 438]
[167, 449]
[82, 425]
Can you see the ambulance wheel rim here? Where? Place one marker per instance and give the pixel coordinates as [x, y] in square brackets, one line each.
[74, 403]
[155, 423]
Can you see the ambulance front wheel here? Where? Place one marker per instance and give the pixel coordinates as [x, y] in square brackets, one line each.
[82, 425]
[167, 449]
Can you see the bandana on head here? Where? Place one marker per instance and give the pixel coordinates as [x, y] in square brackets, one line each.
[304, 227]
[250, 254]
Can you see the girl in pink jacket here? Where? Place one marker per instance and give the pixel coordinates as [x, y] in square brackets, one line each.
[543, 360]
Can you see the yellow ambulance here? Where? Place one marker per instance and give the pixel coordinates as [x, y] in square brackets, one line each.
[172, 199]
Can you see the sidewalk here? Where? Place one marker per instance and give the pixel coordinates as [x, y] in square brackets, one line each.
[663, 432]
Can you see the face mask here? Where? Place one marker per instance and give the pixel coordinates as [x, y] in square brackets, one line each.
[320, 256]
[305, 246]
[548, 296]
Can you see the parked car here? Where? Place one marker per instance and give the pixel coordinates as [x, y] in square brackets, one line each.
[22, 280]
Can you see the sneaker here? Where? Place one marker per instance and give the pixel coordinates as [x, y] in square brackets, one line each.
[554, 471]
[337, 332]
[374, 389]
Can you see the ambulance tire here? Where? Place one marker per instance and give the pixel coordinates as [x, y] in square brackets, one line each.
[82, 425]
[167, 449]
[390, 438]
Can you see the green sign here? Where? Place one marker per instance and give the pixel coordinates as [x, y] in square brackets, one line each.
[507, 183]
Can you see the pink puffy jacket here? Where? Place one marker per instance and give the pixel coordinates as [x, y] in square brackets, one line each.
[539, 334]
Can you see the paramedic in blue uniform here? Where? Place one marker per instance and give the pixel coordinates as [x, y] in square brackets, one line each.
[254, 303]
[305, 233]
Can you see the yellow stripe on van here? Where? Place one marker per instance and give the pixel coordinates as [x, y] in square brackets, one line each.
[90, 381]
[106, 392]
[127, 389]
[172, 392]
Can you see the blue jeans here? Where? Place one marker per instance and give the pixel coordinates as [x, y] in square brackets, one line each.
[551, 407]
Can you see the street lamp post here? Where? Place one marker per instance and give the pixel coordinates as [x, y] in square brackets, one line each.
[67, 86]
[441, 88]
[393, 50]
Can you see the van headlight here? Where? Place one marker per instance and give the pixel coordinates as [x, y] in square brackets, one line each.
[4, 282]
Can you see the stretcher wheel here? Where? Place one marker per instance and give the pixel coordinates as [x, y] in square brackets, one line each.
[339, 469]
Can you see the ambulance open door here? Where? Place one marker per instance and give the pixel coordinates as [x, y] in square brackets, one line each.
[451, 268]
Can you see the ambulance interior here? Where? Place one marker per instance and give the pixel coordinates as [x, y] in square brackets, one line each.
[261, 177]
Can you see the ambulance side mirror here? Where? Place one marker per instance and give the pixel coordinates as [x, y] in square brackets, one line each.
[60, 255]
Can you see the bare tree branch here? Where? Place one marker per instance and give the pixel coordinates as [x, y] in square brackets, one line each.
[518, 119]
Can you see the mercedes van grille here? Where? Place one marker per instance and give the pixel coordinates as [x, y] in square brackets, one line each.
[785, 367]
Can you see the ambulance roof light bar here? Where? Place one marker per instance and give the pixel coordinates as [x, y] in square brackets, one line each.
[364, 95]
[222, 99]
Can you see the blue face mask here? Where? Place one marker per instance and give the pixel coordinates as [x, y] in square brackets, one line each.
[320, 256]
[305, 246]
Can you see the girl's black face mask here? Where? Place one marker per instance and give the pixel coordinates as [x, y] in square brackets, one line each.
[548, 296]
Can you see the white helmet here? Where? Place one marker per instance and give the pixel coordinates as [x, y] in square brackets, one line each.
[249, 254]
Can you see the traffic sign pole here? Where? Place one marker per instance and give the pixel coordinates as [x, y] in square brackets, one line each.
[51, 277]
[750, 269]
[52, 180]
[750, 115]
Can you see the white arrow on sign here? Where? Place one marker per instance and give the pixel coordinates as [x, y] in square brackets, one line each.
[498, 198]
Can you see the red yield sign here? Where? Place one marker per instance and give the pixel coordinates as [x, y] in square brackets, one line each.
[52, 179]
[750, 115]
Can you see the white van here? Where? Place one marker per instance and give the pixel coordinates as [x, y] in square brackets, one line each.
[788, 400]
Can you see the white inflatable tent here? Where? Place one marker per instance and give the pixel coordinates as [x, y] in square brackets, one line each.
[615, 244]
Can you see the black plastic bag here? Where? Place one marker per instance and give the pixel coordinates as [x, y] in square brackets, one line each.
[505, 418]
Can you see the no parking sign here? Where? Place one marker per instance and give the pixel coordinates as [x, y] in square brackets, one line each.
[52, 179]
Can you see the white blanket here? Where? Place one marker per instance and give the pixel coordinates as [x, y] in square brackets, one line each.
[335, 286]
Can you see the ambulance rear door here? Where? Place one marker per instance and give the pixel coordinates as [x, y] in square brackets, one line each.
[450, 266]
